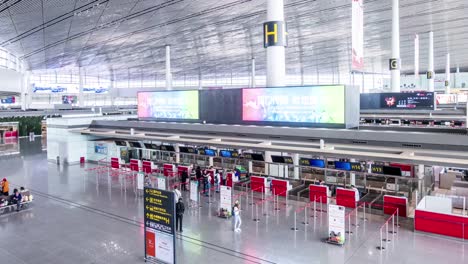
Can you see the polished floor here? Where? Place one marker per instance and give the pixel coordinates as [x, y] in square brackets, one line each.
[81, 217]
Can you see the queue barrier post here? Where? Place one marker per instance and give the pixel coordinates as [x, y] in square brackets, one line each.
[295, 222]
[305, 216]
[256, 213]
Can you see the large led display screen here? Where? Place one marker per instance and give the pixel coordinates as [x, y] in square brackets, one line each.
[315, 104]
[182, 105]
[408, 101]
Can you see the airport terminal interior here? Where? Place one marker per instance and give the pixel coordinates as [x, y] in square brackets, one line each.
[235, 131]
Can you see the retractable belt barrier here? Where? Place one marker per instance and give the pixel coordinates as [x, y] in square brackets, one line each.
[385, 225]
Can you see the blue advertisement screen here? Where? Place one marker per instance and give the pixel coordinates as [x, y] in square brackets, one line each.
[225, 153]
[210, 152]
[317, 163]
[342, 165]
[314, 104]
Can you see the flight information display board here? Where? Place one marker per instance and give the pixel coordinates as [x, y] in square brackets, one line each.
[178, 105]
[314, 104]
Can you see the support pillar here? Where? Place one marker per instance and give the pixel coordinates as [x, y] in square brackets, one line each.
[447, 74]
[168, 68]
[252, 81]
[416, 61]
[81, 84]
[430, 70]
[296, 166]
[352, 176]
[275, 43]
[395, 60]
[177, 155]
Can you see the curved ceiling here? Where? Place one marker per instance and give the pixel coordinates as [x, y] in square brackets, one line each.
[221, 36]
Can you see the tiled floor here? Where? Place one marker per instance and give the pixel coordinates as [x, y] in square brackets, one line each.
[80, 218]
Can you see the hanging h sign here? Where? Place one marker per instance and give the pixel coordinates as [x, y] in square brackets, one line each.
[274, 34]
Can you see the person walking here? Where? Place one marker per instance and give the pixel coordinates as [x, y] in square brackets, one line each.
[180, 209]
[208, 184]
[237, 217]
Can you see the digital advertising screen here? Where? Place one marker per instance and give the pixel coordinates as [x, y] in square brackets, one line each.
[339, 165]
[314, 104]
[69, 99]
[421, 100]
[181, 105]
[407, 101]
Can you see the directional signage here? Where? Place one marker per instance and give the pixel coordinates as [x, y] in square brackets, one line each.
[159, 212]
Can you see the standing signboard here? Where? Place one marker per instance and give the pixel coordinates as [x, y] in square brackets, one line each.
[162, 183]
[194, 191]
[336, 224]
[226, 198]
[159, 209]
[140, 180]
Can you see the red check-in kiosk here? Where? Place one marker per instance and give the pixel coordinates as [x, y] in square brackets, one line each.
[391, 203]
[258, 184]
[280, 187]
[115, 163]
[135, 164]
[319, 193]
[346, 197]
[168, 170]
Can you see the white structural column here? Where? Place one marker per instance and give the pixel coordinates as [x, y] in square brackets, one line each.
[430, 70]
[168, 68]
[455, 77]
[81, 84]
[25, 91]
[447, 74]
[352, 175]
[395, 60]
[252, 81]
[296, 160]
[276, 65]
[416, 61]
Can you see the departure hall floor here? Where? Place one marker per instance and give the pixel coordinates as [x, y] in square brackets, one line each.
[78, 217]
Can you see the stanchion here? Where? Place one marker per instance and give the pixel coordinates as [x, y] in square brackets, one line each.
[295, 223]
[199, 200]
[350, 232]
[381, 241]
[256, 213]
[305, 216]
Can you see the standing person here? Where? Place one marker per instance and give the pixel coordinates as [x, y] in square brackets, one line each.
[180, 209]
[177, 194]
[208, 183]
[217, 180]
[184, 180]
[17, 198]
[237, 218]
[205, 181]
[198, 175]
[5, 187]
[224, 176]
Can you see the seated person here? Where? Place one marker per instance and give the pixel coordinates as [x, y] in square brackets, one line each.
[16, 198]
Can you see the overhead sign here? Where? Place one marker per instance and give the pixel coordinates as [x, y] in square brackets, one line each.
[274, 34]
[357, 30]
[336, 224]
[394, 64]
[8, 100]
[159, 216]
[416, 100]
[319, 163]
